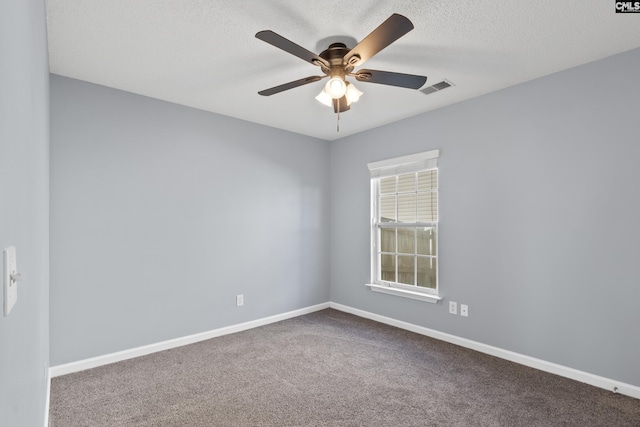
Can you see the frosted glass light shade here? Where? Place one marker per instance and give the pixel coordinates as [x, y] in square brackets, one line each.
[325, 98]
[336, 87]
[352, 93]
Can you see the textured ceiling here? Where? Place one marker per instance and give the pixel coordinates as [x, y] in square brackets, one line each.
[203, 53]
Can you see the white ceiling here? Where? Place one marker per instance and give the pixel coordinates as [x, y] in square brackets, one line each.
[203, 53]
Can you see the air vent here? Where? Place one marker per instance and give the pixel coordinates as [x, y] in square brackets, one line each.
[436, 87]
[428, 90]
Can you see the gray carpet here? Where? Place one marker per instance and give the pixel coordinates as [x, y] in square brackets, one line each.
[329, 369]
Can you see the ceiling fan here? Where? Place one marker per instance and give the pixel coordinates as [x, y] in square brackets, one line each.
[338, 62]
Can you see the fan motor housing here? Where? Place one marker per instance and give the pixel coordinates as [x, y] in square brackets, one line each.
[334, 55]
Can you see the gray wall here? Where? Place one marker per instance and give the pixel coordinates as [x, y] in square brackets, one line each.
[24, 208]
[539, 207]
[161, 215]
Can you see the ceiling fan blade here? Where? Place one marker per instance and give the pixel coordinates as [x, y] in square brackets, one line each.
[340, 105]
[389, 31]
[409, 81]
[288, 46]
[290, 85]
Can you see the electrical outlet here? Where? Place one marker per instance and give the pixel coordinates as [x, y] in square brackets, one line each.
[464, 310]
[453, 307]
[239, 300]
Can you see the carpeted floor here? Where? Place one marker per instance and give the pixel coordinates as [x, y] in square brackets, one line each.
[329, 369]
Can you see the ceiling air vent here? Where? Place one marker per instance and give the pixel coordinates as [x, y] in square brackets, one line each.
[436, 87]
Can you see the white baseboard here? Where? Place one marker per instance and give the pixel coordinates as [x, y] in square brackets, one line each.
[94, 362]
[563, 371]
[47, 401]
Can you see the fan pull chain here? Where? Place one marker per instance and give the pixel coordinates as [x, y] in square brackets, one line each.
[338, 122]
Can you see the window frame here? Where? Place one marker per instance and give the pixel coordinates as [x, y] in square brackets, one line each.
[413, 163]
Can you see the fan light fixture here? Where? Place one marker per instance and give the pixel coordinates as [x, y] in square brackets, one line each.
[351, 92]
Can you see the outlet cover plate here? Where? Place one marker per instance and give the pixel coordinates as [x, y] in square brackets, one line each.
[453, 307]
[10, 287]
[464, 310]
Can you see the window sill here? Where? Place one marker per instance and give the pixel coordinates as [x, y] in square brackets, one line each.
[420, 296]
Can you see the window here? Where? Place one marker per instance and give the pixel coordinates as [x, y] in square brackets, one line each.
[404, 226]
